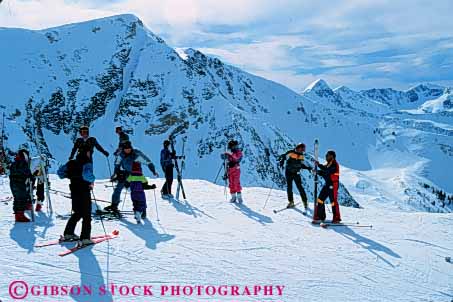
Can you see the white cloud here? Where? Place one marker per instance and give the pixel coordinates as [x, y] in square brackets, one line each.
[373, 42]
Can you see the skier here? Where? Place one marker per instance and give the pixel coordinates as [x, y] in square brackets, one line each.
[19, 180]
[166, 162]
[331, 174]
[123, 138]
[39, 181]
[136, 183]
[234, 170]
[80, 174]
[294, 164]
[86, 143]
[123, 168]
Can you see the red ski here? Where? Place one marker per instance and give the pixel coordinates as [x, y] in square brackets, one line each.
[59, 241]
[345, 224]
[95, 241]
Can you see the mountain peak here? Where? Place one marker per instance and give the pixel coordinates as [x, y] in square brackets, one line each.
[318, 85]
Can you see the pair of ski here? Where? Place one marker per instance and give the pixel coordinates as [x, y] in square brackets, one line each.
[95, 240]
[327, 224]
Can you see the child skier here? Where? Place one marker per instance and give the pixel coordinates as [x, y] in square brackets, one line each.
[294, 164]
[39, 181]
[234, 170]
[331, 174]
[137, 183]
[20, 178]
[80, 174]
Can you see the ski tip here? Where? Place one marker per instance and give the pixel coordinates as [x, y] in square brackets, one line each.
[116, 232]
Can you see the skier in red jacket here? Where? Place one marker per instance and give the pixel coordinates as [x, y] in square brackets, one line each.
[234, 170]
[331, 174]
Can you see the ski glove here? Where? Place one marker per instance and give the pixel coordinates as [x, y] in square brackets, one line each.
[106, 154]
[127, 185]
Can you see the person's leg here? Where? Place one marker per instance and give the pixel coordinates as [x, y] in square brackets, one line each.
[289, 187]
[40, 192]
[169, 178]
[335, 205]
[116, 196]
[164, 190]
[320, 211]
[76, 211]
[86, 214]
[303, 195]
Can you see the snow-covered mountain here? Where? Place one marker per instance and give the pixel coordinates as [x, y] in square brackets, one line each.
[114, 71]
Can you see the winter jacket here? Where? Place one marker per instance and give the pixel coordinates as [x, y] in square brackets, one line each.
[234, 158]
[123, 163]
[20, 177]
[77, 172]
[294, 161]
[330, 172]
[166, 159]
[84, 145]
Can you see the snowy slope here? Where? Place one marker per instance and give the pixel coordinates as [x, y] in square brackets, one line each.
[207, 241]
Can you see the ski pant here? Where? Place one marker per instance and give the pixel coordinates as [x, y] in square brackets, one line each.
[166, 188]
[234, 179]
[20, 189]
[138, 196]
[81, 209]
[116, 196]
[40, 191]
[295, 177]
[330, 191]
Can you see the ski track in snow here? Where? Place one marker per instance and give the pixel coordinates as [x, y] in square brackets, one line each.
[207, 241]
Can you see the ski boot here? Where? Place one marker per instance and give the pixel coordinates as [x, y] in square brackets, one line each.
[144, 214]
[38, 206]
[111, 208]
[290, 204]
[84, 242]
[138, 216]
[69, 237]
[20, 217]
[233, 198]
[239, 196]
[305, 211]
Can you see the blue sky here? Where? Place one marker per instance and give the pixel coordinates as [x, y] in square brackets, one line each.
[357, 43]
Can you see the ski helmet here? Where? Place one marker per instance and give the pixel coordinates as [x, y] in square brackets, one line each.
[118, 128]
[166, 143]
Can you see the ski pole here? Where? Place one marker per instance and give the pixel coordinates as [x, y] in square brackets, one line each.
[97, 206]
[110, 171]
[269, 195]
[218, 173]
[124, 200]
[155, 203]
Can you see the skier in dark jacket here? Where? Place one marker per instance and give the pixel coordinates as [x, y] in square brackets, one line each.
[20, 179]
[80, 174]
[123, 138]
[123, 168]
[294, 164]
[331, 174]
[86, 143]
[166, 162]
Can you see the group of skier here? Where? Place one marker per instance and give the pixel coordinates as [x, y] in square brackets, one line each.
[128, 173]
